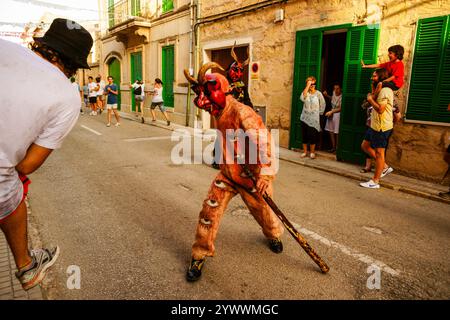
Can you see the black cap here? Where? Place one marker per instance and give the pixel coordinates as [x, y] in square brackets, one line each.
[69, 39]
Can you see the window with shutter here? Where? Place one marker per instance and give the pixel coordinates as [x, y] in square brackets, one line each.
[167, 5]
[429, 90]
[135, 8]
[168, 74]
[111, 13]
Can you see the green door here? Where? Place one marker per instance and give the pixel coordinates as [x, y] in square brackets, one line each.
[308, 52]
[136, 73]
[168, 76]
[114, 71]
[362, 43]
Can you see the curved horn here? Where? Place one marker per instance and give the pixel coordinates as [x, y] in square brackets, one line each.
[206, 67]
[233, 54]
[246, 62]
[190, 78]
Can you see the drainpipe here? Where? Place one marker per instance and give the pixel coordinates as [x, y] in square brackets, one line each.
[191, 57]
[196, 48]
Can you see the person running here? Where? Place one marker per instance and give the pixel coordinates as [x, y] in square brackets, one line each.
[100, 93]
[111, 101]
[139, 96]
[33, 126]
[157, 101]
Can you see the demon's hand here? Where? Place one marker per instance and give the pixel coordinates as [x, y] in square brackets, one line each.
[262, 183]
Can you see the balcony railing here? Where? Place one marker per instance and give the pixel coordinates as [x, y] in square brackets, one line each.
[124, 10]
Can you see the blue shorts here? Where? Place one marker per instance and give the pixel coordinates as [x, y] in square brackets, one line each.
[377, 139]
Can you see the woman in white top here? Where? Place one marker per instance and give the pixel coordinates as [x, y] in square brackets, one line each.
[157, 100]
[333, 116]
[313, 107]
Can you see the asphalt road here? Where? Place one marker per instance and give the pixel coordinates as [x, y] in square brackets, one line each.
[125, 214]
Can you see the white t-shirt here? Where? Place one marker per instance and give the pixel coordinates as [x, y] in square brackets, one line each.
[102, 88]
[38, 104]
[157, 95]
[135, 85]
[92, 86]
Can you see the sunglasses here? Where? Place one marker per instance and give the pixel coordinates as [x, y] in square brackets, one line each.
[313, 84]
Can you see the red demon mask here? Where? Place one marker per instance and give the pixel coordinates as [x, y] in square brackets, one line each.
[211, 89]
[235, 71]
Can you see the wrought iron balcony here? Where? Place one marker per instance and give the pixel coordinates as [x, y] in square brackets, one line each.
[126, 10]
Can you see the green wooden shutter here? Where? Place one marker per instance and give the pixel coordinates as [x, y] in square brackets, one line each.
[168, 74]
[135, 8]
[362, 43]
[136, 73]
[114, 71]
[429, 91]
[167, 5]
[111, 13]
[308, 53]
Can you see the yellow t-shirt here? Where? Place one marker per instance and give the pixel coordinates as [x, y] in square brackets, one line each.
[383, 121]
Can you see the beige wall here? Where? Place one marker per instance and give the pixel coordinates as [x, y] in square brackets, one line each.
[415, 148]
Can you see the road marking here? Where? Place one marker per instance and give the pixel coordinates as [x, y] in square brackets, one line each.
[147, 139]
[91, 130]
[348, 251]
[373, 230]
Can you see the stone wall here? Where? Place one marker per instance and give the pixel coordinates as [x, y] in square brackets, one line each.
[416, 149]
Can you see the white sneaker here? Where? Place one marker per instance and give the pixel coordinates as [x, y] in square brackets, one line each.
[386, 171]
[117, 124]
[303, 155]
[108, 124]
[370, 184]
[312, 155]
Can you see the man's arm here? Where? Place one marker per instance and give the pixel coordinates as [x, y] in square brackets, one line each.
[378, 107]
[363, 65]
[34, 158]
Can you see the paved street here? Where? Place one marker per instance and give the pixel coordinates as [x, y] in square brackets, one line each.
[125, 215]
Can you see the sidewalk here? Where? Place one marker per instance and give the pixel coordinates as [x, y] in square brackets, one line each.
[327, 162]
[10, 288]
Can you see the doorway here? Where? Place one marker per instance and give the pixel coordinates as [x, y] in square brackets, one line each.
[332, 72]
[224, 58]
[361, 42]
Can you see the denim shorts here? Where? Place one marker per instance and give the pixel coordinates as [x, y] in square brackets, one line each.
[160, 105]
[377, 139]
[139, 98]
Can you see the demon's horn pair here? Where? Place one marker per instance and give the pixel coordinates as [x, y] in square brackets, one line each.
[201, 73]
[233, 54]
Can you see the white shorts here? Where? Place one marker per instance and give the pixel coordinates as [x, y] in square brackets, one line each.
[111, 106]
[333, 123]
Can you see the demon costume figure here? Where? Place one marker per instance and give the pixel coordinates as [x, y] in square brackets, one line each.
[235, 72]
[213, 96]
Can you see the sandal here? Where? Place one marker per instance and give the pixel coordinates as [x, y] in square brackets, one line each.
[364, 170]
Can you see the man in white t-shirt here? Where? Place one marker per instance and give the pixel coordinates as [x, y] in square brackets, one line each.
[35, 118]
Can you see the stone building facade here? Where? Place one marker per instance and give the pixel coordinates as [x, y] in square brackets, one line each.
[289, 40]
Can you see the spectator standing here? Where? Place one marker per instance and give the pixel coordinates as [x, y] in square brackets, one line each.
[92, 87]
[111, 101]
[381, 124]
[33, 126]
[139, 96]
[79, 91]
[157, 100]
[313, 107]
[333, 116]
[86, 95]
[100, 93]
